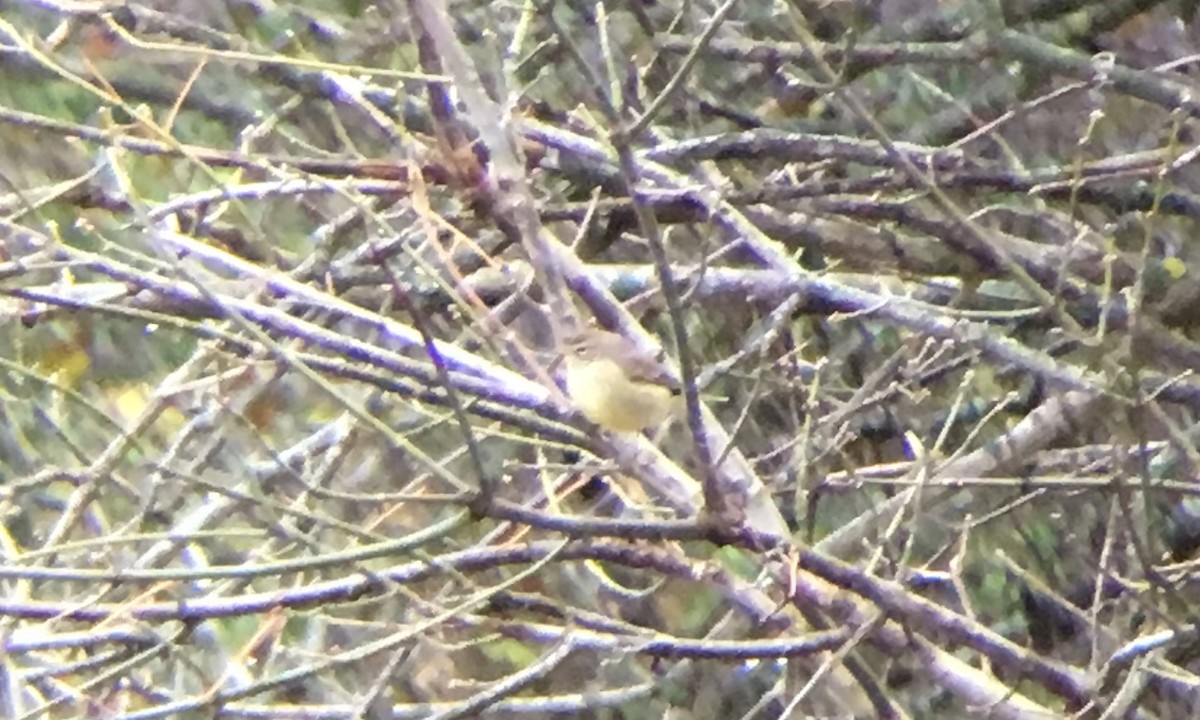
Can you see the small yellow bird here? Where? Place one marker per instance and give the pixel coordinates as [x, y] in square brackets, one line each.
[615, 383]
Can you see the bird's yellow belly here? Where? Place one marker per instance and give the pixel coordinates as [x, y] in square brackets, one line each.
[606, 396]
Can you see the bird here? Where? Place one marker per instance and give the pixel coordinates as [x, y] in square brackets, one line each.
[616, 383]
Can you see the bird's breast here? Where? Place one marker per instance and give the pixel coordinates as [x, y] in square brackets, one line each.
[606, 396]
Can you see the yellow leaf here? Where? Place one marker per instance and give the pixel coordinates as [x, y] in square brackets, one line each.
[66, 361]
[1175, 267]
